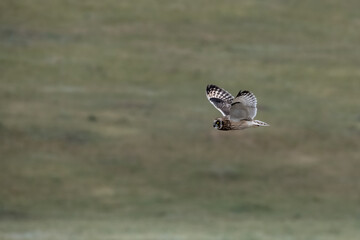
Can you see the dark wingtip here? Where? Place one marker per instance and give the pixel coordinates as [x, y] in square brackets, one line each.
[242, 93]
[210, 86]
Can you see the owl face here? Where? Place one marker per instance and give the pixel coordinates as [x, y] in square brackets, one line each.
[218, 123]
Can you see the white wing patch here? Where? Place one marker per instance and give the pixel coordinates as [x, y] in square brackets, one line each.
[243, 106]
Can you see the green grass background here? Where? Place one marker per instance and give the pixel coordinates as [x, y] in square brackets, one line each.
[106, 133]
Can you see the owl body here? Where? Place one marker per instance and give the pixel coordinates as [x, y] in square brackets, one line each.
[238, 113]
[224, 124]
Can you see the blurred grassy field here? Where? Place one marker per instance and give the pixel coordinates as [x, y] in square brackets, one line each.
[106, 133]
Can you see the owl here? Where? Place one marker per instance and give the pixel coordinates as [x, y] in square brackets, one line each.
[238, 113]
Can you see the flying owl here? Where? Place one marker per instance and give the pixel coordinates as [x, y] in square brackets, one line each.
[238, 113]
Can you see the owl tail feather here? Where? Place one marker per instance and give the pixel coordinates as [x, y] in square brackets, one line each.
[260, 123]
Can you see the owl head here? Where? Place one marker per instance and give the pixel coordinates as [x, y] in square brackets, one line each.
[218, 123]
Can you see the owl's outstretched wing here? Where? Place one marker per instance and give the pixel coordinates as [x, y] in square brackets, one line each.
[243, 106]
[220, 98]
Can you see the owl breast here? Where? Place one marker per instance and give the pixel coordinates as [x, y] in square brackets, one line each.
[240, 125]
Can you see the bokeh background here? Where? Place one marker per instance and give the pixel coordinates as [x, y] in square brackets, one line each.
[106, 133]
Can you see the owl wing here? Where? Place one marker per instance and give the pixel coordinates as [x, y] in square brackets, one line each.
[243, 106]
[220, 98]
